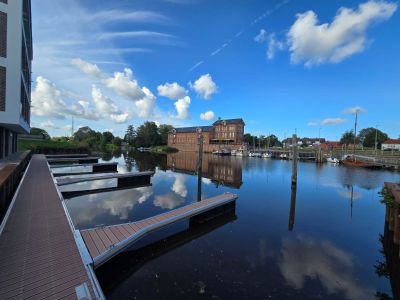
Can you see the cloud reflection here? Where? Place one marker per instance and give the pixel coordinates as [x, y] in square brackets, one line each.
[168, 201]
[179, 186]
[303, 258]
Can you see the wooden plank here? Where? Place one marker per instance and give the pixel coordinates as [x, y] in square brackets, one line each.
[104, 238]
[111, 236]
[97, 241]
[89, 243]
[117, 233]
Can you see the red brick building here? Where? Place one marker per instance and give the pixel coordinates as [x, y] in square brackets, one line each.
[227, 134]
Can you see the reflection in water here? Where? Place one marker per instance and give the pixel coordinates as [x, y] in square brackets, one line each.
[304, 258]
[292, 213]
[222, 170]
[390, 267]
[123, 266]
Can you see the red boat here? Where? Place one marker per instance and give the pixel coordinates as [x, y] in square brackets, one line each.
[359, 164]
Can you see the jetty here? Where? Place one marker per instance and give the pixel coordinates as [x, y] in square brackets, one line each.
[79, 160]
[122, 179]
[39, 255]
[106, 242]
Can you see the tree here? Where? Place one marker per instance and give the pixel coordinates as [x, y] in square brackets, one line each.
[164, 129]
[147, 135]
[39, 131]
[130, 135]
[107, 137]
[367, 137]
[117, 141]
[348, 138]
[84, 133]
[274, 141]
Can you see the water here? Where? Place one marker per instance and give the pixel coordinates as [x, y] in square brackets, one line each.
[322, 240]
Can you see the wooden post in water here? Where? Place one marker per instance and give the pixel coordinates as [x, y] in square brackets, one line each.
[295, 158]
[292, 213]
[199, 163]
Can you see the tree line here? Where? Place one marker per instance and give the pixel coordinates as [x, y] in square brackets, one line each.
[365, 137]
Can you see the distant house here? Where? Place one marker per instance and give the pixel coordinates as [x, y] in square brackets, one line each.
[391, 145]
[331, 145]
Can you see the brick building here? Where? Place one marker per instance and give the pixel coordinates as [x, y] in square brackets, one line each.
[227, 134]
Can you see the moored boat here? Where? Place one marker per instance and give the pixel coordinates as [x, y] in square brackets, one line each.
[332, 160]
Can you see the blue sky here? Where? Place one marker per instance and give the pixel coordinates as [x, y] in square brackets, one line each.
[280, 65]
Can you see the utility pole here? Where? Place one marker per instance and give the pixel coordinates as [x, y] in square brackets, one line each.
[294, 169]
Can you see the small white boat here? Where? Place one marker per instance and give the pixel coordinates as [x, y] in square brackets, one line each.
[234, 152]
[283, 156]
[332, 160]
[266, 155]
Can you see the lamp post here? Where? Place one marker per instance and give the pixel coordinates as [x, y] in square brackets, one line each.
[199, 162]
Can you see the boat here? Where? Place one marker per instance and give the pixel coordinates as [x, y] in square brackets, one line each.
[332, 160]
[348, 160]
[266, 155]
[234, 152]
[283, 156]
[222, 152]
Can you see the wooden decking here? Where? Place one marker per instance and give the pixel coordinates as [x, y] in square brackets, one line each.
[106, 242]
[39, 256]
[127, 176]
[79, 160]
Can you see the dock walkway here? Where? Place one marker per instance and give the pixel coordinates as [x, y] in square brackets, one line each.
[39, 256]
[138, 177]
[106, 242]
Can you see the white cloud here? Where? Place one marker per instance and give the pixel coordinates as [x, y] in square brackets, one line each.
[48, 125]
[312, 123]
[107, 107]
[261, 36]
[168, 201]
[136, 34]
[333, 121]
[314, 43]
[205, 87]
[206, 180]
[171, 90]
[273, 46]
[48, 101]
[182, 107]
[124, 85]
[207, 116]
[179, 186]
[303, 259]
[87, 68]
[353, 110]
[146, 104]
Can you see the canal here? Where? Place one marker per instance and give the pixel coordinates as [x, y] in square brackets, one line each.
[323, 240]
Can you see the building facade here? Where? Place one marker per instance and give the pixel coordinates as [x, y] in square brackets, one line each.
[15, 72]
[227, 134]
[391, 145]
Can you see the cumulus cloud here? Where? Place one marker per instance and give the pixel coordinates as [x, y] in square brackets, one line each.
[312, 123]
[182, 107]
[124, 85]
[353, 110]
[261, 36]
[106, 106]
[333, 121]
[312, 43]
[179, 186]
[207, 116]
[304, 258]
[274, 45]
[171, 90]
[168, 201]
[48, 101]
[205, 87]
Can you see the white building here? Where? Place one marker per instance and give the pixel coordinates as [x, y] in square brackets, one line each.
[15, 72]
[391, 145]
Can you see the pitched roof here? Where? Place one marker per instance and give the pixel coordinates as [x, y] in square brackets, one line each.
[193, 129]
[392, 142]
[229, 121]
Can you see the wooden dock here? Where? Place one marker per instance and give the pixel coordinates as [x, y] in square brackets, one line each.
[123, 179]
[66, 155]
[39, 255]
[106, 242]
[79, 160]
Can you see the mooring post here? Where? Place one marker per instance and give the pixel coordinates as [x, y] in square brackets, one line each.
[199, 163]
[396, 234]
[295, 158]
[292, 213]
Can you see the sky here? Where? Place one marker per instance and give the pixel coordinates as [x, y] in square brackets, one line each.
[284, 66]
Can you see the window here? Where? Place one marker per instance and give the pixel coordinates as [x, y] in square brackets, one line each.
[3, 34]
[2, 88]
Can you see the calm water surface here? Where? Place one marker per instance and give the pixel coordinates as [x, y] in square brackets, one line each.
[323, 240]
